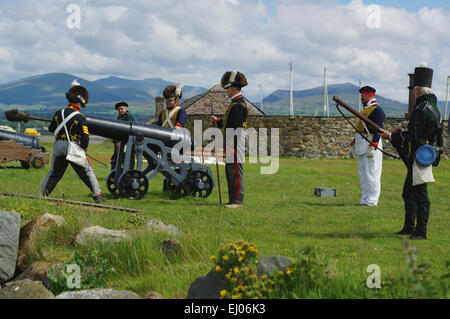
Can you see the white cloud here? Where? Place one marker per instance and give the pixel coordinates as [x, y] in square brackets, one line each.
[196, 41]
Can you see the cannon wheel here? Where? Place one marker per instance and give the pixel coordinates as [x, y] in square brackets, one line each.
[198, 184]
[37, 162]
[25, 164]
[111, 185]
[133, 185]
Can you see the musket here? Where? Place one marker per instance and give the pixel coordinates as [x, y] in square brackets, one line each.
[16, 116]
[358, 114]
[366, 120]
[217, 164]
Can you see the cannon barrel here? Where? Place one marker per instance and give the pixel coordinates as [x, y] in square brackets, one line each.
[26, 140]
[121, 130]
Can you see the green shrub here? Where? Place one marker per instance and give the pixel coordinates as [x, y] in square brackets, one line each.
[93, 270]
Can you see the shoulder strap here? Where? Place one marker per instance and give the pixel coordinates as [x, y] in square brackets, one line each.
[438, 118]
[170, 115]
[64, 121]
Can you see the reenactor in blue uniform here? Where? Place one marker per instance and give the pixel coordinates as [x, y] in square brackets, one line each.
[173, 116]
[424, 127]
[78, 132]
[236, 116]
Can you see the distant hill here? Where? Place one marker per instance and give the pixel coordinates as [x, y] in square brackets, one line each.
[49, 89]
[310, 102]
[153, 86]
[44, 94]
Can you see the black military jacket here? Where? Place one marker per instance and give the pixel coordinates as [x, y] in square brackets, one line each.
[126, 117]
[235, 115]
[422, 126]
[76, 127]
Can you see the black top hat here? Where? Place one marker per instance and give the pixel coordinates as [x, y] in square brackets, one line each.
[423, 76]
[121, 104]
[367, 89]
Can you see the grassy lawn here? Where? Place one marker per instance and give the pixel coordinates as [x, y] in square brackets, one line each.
[281, 216]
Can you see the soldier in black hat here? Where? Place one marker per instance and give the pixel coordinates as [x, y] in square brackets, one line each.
[74, 125]
[423, 128]
[235, 121]
[367, 146]
[124, 115]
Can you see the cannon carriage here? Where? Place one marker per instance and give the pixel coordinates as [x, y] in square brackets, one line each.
[146, 150]
[155, 150]
[23, 148]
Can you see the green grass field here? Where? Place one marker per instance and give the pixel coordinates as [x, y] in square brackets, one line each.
[281, 216]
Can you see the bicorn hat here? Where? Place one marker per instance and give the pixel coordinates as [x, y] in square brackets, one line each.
[233, 78]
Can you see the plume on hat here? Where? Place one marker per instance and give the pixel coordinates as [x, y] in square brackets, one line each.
[178, 88]
[75, 83]
[233, 78]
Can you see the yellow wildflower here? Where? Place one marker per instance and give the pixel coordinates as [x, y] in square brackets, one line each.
[223, 293]
[225, 258]
[218, 268]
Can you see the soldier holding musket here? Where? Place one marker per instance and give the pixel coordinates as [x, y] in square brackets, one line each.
[423, 128]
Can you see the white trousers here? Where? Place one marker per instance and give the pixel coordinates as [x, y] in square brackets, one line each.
[369, 172]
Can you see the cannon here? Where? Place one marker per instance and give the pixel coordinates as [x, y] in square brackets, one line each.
[144, 151]
[24, 148]
[152, 146]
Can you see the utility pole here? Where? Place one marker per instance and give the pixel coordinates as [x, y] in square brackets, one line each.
[446, 97]
[359, 97]
[325, 94]
[260, 96]
[291, 99]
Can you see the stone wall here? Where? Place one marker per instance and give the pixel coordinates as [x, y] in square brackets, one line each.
[313, 137]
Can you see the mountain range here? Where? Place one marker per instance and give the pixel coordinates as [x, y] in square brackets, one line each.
[46, 92]
[310, 101]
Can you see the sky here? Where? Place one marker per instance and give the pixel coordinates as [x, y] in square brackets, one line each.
[196, 41]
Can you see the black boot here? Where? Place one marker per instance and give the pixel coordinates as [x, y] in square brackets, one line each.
[99, 198]
[408, 227]
[421, 229]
